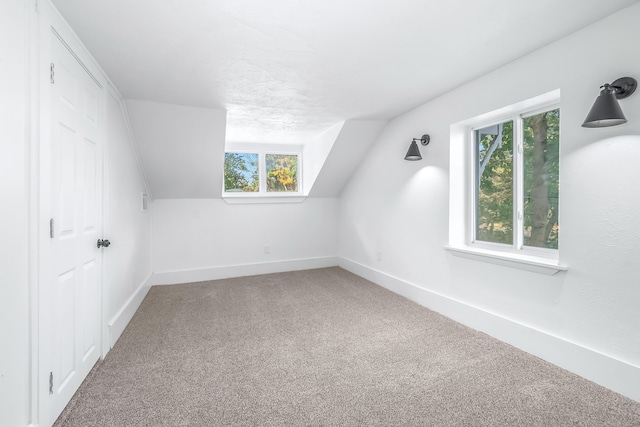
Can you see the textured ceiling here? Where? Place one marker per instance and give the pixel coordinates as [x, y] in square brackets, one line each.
[285, 70]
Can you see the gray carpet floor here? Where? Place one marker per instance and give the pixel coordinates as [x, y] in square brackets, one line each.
[323, 348]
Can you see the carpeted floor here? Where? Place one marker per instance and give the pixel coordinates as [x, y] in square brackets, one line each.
[323, 348]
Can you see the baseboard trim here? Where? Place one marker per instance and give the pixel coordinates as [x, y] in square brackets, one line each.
[605, 370]
[120, 321]
[241, 270]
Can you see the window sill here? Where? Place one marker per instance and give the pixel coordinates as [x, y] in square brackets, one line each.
[534, 264]
[255, 199]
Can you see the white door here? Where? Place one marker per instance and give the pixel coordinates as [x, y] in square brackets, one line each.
[71, 299]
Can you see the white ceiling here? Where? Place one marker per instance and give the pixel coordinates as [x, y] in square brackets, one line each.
[285, 70]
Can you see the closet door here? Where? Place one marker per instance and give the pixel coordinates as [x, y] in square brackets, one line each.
[72, 292]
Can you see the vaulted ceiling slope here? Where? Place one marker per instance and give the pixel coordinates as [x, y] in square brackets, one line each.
[336, 154]
[181, 148]
[286, 71]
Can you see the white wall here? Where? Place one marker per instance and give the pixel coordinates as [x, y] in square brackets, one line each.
[401, 209]
[128, 259]
[14, 298]
[200, 239]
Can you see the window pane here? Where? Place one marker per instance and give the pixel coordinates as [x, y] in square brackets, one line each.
[541, 166]
[494, 183]
[282, 172]
[241, 172]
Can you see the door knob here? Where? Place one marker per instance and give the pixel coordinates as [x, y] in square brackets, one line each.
[104, 243]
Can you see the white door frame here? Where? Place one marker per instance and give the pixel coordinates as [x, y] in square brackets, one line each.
[43, 22]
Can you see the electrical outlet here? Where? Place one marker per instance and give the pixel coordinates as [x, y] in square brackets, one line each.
[379, 255]
[267, 249]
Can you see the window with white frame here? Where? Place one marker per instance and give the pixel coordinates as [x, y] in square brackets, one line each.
[261, 173]
[516, 182]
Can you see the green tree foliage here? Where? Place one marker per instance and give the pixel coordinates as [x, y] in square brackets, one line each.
[241, 172]
[495, 196]
[282, 172]
[541, 179]
[495, 192]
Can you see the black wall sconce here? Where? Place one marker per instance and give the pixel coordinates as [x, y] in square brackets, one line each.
[414, 152]
[606, 111]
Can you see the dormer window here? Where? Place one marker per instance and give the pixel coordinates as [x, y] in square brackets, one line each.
[261, 173]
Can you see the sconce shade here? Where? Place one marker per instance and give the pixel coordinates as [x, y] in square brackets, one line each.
[414, 152]
[606, 110]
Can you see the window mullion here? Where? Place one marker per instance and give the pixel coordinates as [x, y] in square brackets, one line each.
[475, 185]
[518, 184]
[262, 172]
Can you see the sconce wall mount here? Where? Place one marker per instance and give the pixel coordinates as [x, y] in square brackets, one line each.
[605, 110]
[414, 153]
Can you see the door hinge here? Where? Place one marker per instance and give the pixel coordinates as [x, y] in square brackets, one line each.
[53, 72]
[51, 228]
[50, 382]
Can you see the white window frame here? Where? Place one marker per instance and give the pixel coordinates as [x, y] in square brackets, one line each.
[462, 210]
[518, 187]
[262, 195]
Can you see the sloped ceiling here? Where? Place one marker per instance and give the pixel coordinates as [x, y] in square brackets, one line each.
[181, 148]
[287, 70]
[348, 149]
